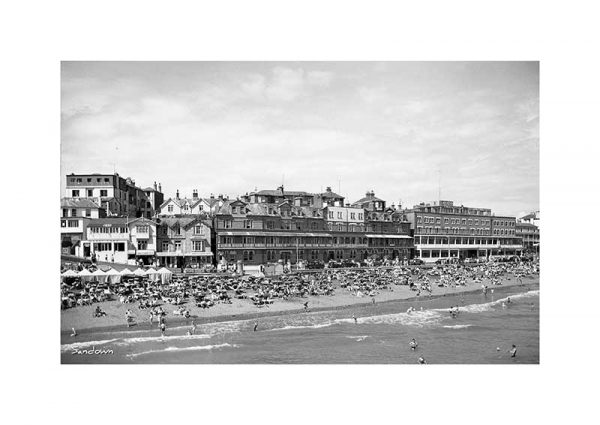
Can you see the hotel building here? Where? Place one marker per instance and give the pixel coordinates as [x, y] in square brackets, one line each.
[443, 230]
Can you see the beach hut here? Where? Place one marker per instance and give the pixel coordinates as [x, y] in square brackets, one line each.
[85, 275]
[126, 272]
[69, 275]
[139, 272]
[165, 275]
[99, 275]
[152, 274]
[113, 276]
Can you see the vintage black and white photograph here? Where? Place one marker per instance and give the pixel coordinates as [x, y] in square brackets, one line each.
[299, 212]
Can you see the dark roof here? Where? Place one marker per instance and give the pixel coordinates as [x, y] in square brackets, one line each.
[78, 203]
[368, 199]
[278, 193]
[110, 220]
[330, 195]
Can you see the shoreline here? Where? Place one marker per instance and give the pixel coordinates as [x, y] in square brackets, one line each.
[338, 302]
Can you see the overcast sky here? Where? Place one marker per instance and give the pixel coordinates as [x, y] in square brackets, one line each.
[398, 128]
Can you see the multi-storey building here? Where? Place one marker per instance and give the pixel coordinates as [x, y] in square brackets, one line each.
[121, 240]
[185, 241]
[155, 197]
[298, 198]
[262, 231]
[191, 206]
[116, 195]
[443, 230]
[530, 235]
[76, 213]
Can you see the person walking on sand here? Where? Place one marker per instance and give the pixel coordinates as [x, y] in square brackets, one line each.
[306, 306]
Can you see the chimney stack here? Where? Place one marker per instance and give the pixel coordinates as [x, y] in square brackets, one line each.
[160, 187]
[195, 194]
[154, 185]
[177, 194]
[328, 189]
[212, 196]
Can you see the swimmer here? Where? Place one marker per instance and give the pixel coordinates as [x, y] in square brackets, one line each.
[189, 333]
[162, 329]
[74, 332]
[497, 348]
[513, 351]
[355, 319]
[413, 344]
[422, 360]
[193, 327]
[255, 326]
[503, 304]
[532, 306]
[508, 301]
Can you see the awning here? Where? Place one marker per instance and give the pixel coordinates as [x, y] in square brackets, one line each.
[389, 236]
[273, 234]
[141, 251]
[186, 254]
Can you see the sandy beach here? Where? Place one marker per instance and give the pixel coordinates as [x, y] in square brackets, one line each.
[82, 318]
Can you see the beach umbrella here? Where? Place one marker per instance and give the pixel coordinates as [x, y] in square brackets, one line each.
[139, 272]
[69, 273]
[165, 275]
[126, 272]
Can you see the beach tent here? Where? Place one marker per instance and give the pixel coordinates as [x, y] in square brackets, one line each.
[99, 275]
[165, 275]
[139, 272]
[152, 274]
[126, 272]
[113, 276]
[68, 274]
[85, 275]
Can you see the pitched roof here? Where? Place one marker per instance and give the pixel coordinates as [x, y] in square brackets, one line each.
[368, 199]
[278, 193]
[78, 203]
[330, 195]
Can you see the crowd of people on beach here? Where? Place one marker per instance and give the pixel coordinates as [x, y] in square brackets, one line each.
[205, 291]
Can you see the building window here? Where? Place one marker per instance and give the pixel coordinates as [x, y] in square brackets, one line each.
[177, 245]
[330, 214]
[105, 179]
[73, 212]
[65, 212]
[73, 223]
[165, 246]
[170, 208]
[141, 229]
[352, 216]
[75, 193]
[90, 193]
[177, 230]
[103, 192]
[197, 230]
[88, 212]
[142, 244]
[198, 245]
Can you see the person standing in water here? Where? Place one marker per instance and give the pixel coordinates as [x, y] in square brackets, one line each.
[255, 326]
[74, 332]
[413, 344]
[422, 360]
[306, 306]
[163, 328]
[355, 320]
[513, 351]
[193, 327]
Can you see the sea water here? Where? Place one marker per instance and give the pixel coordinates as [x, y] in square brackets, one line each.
[482, 333]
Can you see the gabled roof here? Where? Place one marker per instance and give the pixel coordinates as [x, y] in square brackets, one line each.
[78, 203]
[182, 201]
[330, 195]
[113, 221]
[184, 222]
